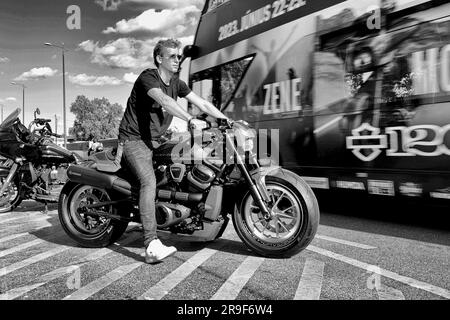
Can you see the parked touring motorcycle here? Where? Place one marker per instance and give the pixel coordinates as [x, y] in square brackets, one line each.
[274, 212]
[35, 162]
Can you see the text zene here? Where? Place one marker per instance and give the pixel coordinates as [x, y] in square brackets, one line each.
[282, 96]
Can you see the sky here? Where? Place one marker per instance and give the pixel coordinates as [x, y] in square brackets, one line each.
[108, 47]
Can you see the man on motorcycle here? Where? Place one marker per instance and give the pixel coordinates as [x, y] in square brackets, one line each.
[149, 112]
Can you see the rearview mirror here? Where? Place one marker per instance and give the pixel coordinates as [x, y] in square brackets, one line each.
[37, 111]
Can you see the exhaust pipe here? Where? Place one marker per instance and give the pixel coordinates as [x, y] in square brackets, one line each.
[92, 177]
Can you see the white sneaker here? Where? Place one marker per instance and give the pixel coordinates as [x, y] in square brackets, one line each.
[156, 251]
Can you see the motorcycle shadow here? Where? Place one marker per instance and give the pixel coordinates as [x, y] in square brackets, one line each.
[135, 250]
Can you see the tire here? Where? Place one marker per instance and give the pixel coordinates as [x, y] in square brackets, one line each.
[14, 197]
[299, 229]
[107, 231]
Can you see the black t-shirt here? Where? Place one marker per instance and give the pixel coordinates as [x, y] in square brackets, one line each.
[144, 119]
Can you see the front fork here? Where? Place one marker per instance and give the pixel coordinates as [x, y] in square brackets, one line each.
[12, 173]
[257, 186]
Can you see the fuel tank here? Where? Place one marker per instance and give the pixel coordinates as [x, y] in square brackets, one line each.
[56, 154]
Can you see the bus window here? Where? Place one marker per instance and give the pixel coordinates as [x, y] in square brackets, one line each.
[218, 85]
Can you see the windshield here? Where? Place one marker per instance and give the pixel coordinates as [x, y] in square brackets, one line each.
[10, 119]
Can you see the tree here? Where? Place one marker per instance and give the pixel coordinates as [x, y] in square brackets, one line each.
[96, 118]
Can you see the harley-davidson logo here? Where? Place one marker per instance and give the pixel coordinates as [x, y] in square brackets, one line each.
[366, 146]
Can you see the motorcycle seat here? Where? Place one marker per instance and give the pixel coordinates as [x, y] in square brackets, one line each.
[106, 161]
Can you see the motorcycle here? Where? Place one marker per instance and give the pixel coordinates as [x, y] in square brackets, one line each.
[35, 160]
[274, 212]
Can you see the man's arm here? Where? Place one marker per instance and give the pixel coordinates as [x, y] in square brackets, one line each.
[169, 104]
[205, 106]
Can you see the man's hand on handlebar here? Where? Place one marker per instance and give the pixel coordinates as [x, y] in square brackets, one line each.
[197, 124]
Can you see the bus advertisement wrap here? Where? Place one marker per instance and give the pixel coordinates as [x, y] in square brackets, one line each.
[354, 87]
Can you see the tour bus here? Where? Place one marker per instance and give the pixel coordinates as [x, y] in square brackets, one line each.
[358, 90]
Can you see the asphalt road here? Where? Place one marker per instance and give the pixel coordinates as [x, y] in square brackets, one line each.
[351, 258]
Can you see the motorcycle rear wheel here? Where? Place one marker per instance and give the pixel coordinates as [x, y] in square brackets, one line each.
[10, 199]
[295, 222]
[86, 229]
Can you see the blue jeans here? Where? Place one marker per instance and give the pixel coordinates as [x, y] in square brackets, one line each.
[138, 156]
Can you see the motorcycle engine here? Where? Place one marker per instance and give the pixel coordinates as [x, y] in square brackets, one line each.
[200, 177]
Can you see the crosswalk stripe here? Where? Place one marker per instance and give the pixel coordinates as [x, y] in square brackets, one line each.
[97, 285]
[5, 215]
[163, 287]
[13, 236]
[13, 293]
[389, 274]
[44, 217]
[310, 284]
[29, 244]
[18, 235]
[39, 257]
[231, 288]
[55, 274]
[349, 243]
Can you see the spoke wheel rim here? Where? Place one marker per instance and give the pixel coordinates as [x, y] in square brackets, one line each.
[287, 213]
[9, 194]
[84, 222]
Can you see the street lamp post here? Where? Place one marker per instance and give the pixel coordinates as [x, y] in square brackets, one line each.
[23, 99]
[64, 88]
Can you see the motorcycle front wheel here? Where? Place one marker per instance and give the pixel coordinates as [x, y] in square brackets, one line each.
[293, 225]
[85, 225]
[10, 199]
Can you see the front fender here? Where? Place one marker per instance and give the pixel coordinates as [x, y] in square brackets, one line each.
[260, 174]
[4, 172]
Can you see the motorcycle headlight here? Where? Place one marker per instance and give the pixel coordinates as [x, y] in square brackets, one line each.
[245, 137]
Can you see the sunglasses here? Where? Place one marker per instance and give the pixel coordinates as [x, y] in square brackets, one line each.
[174, 56]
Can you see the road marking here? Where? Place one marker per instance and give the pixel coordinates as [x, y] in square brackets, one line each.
[55, 274]
[163, 287]
[348, 243]
[14, 236]
[44, 217]
[234, 284]
[389, 274]
[101, 283]
[388, 293]
[29, 244]
[310, 284]
[18, 235]
[14, 293]
[24, 263]
[326, 125]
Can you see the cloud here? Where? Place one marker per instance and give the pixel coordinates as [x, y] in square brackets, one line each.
[11, 99]
[167, 4]
[89, 81]
[130, 77]
[126, 53]
[37, 74]
[109, 5]
[4, 60]
[167, 23]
